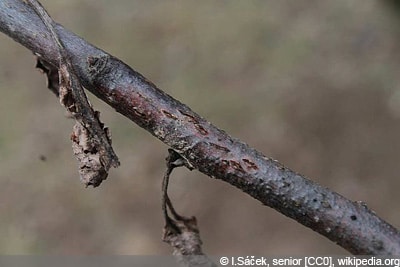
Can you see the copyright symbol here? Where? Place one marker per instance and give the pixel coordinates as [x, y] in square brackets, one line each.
[224, 261]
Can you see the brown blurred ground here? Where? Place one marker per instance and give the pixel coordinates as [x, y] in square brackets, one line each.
[313, 84]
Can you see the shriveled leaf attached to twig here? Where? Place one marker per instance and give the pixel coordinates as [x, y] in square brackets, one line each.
[91, 141]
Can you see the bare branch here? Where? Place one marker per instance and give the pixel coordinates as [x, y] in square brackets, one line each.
[208, 149]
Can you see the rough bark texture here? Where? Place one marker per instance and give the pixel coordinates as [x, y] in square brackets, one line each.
[210, 150]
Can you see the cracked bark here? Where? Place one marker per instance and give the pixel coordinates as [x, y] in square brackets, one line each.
[208, 149]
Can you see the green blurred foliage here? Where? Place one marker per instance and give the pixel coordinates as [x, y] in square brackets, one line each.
[313, 84]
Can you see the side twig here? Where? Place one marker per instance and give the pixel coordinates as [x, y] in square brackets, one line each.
[91, 141]
[208, 149]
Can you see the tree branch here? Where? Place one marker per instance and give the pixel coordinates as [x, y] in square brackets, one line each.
[208, 149]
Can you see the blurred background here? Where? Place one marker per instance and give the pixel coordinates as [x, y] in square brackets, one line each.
[313, 84]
